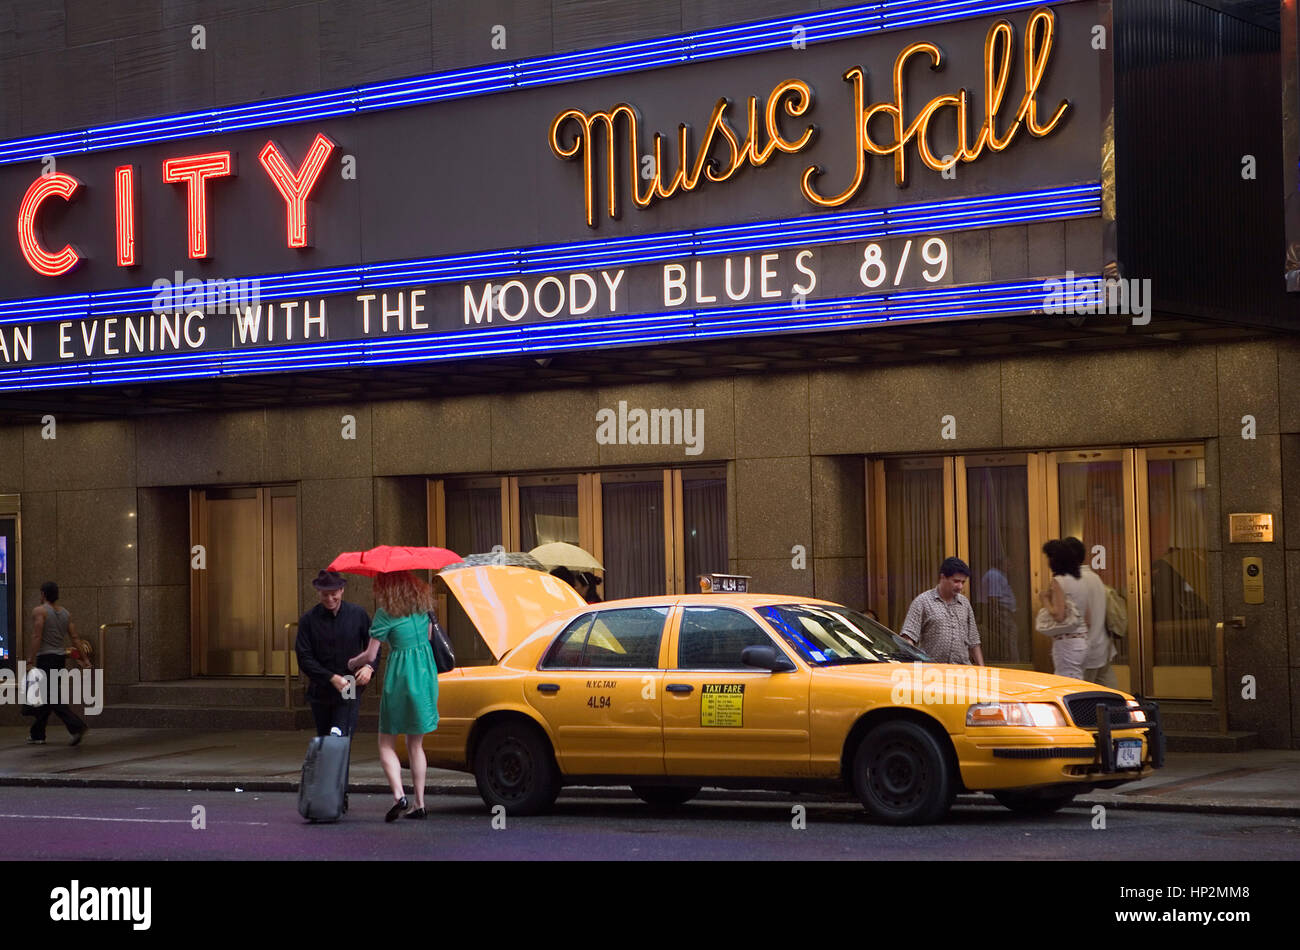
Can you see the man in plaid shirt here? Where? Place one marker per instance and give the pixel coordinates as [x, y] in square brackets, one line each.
[941, 621]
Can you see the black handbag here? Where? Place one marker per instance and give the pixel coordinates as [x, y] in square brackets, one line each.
[444, 658]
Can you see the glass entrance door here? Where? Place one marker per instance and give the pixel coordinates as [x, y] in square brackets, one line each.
[248, 589]
[979, 508]
[995, 529]
[1140, 513]
[1141, 516]
[632, 515]
[1177, 632]
[1090, 497]
[918, 522]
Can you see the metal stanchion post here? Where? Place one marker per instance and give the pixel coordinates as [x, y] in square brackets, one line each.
[288, 663]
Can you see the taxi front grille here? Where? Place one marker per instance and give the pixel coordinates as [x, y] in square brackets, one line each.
[1083, 709]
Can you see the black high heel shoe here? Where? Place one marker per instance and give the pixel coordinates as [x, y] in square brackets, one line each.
[417, 813]
[397, 809]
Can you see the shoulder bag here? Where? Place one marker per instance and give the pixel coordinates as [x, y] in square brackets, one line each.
[1049, 626]
[444, 658]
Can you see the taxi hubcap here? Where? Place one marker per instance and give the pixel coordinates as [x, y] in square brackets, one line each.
[510, 768]
[898, 775]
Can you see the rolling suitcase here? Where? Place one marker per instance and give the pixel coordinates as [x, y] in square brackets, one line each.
[321, 796]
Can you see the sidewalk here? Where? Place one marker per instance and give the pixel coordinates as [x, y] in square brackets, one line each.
[1264, 782]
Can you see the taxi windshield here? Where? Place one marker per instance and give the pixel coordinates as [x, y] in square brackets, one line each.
[828, 635]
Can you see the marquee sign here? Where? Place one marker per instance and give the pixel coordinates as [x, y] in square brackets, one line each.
[457, 228]
[722, 152]
[192, 171]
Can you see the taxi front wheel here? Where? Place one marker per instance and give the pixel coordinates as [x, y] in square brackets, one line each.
[902, 776]
[513, 768]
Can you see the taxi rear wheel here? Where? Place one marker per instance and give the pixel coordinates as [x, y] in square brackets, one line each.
[902, 776]
[665, 796]
[1027, 803]
[513, 767]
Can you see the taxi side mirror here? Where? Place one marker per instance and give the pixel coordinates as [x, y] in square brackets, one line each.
[766, 658]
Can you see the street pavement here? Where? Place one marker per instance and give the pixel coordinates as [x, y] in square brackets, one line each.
[139, 824]
[1261, 782]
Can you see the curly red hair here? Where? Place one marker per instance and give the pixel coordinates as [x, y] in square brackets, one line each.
[402, 594]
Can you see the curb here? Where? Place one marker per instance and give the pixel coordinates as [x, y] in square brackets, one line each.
[1137, 804]
[469, 790]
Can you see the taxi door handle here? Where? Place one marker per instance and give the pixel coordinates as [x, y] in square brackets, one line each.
[548, 687]
[679, 687]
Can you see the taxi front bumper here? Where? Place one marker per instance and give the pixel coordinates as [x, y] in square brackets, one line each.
[1072, 756]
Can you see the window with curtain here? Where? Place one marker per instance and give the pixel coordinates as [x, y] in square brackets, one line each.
[1180, 580]
[1092, 509]
[914, 519]
[704, 528]
[473, 519]
[998, 513]
[632, 516]
[547, 513]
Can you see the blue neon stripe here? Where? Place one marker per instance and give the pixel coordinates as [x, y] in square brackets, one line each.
[931, 217]
[705, 45]
[1018, 297]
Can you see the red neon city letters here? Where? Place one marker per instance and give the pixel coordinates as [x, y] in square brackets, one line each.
[41, 260]
[296, 188]
[124, 193]
[195, 170]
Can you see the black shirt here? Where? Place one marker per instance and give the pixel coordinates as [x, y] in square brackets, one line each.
[325, 644]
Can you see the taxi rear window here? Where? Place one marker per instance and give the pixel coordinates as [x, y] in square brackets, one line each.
[609, 640]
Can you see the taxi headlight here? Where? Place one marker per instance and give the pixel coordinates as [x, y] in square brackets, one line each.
[1015, 714]
[1134, 713]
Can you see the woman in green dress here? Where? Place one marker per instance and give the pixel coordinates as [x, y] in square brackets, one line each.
[409, 705]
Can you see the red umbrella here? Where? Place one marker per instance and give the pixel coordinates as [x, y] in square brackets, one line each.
[388, 558]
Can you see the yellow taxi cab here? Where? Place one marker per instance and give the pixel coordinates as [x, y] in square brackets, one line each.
[670, 694]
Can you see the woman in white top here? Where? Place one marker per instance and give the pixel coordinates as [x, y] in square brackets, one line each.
[1069, 647]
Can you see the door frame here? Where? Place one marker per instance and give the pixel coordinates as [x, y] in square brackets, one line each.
[270, 641]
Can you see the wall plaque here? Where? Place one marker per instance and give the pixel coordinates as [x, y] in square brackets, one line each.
[1250, 528]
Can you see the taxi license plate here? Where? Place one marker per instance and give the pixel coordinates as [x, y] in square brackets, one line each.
[1128, 754]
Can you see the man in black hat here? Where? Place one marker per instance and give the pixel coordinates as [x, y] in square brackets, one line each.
[329, 635]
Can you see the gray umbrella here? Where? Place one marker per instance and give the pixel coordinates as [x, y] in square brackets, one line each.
[516, 558]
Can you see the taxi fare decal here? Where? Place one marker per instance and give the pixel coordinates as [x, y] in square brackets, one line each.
[722, 704]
